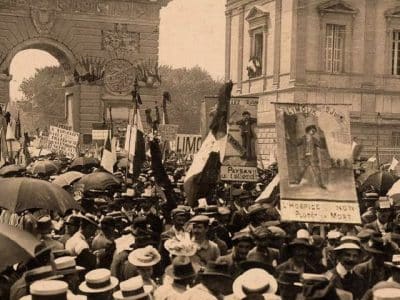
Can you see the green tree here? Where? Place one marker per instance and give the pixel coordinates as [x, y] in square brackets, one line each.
[187, 87]
[45, 93]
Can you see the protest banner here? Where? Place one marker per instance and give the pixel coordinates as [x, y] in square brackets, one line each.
[99, 132]
[187, 143]
[315, 163]
[63, 141]
[232, 173]
[168, 132]
[241, 147]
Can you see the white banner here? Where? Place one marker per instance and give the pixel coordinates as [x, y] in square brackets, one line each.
[63, 141]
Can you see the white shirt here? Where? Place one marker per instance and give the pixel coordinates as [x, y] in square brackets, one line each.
[76, 244]
[341, 270]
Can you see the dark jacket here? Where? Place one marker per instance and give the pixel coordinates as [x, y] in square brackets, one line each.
[372, 273]
[355, 283]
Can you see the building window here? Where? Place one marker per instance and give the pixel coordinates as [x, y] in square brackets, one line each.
[334, 48]
[254, 67]
[396, 53]
[395, 139]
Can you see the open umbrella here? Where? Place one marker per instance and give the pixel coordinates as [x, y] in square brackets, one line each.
[84, 162]
[16, 245]
[12, 170]
[67, 178]
[20, 194]
[99, 181]
[44, 168]
[381, 181]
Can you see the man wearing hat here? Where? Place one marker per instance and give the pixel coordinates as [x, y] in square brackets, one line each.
[309, 156]
[384, 216]
[180, 216]
[44, 227]
[215, 282]
[248, 135]
[144, 259]
[78, 244]
[183, 275]
[375, 270]
[242, 243]
[66, 266]
[241, 202]
[393, 282]
[343, 275]
[103, 244]
[206, 249]
[51, 289]
[133, 289]
[262, 252]
[71, 225]
[289, 285]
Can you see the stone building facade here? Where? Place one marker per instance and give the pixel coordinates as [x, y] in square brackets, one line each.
[100, 44]
[319, 51]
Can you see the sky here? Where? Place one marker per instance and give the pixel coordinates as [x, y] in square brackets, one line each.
[192, 32]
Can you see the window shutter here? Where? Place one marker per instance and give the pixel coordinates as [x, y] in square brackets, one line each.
[329, 48]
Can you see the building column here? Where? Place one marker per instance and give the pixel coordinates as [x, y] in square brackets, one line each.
[369, 42]
[277, 42]
[5, 88]
[298, 44]
[240, 50]
[228, 36]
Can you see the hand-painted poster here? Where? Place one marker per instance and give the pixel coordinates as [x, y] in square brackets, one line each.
[241, 147]
[315, 163]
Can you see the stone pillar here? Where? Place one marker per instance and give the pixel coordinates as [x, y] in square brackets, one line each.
[369, 42]
[240, 50]
[277, 42]
[5, 88]
[228, 49]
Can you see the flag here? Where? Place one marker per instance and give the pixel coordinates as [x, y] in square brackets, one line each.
[394, 164]
[203, 174]
[3, 148]
[109, 157]
[18, 134]
[271, 187]
[136, 146]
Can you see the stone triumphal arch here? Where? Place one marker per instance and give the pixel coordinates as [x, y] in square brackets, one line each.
[103, 45]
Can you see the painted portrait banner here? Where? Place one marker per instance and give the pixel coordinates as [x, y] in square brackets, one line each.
[315, 163]
[241, 147]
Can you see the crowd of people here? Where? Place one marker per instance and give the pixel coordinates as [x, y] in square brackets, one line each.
[126, 244]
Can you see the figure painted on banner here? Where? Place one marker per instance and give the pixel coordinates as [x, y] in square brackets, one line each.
[309, 158]
[248, 135]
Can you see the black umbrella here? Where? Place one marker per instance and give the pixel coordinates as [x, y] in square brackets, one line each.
[99, 181]
[381, 181]
[20, 194]
[12, 170]
[83, 163]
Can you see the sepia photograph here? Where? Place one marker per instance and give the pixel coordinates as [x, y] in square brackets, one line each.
[199, 149]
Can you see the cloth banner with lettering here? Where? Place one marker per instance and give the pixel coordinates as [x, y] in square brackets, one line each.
[315, 163]
[63, 141]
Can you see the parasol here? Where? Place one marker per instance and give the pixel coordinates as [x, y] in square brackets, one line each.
[16, 245]
[44, 168]
[27, 193]
[381, 181]
[67, 178]
[99, 181]
[12, 170]
[84, 162]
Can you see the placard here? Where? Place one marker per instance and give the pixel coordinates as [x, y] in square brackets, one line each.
[187, 143]
[168, 132]
[231, 173]
[315, 163]
[63, 141]
[99, 131]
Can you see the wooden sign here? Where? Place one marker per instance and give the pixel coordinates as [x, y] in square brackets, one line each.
[232, 173]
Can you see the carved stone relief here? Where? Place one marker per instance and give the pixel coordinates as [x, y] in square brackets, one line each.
[120, 39]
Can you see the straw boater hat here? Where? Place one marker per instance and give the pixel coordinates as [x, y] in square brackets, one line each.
[348, 243]
[395, 263]
[254, 281]
[41, 273]
[51, 289]
[98, 281]
[144, 257]
[66, 265]
[386, 294]
[132, 289]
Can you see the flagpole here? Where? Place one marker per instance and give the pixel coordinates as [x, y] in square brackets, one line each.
[132, 123]
[378, 116]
